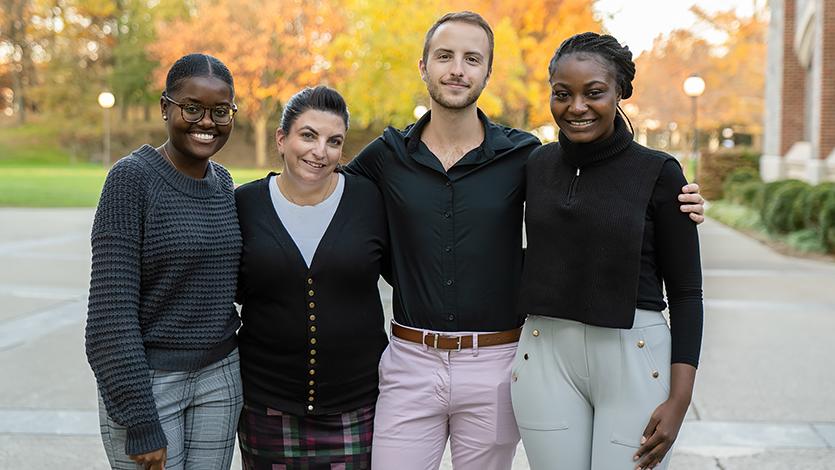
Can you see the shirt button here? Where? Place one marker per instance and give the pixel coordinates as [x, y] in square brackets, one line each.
[447, 214]
[450, 317]
[312, 318]
[448, 248]
[309, 407]
[449, 282]
[311, 383]
[310, 281]
[312, 372]
[310, 399]
[312, 304]
[448, 184]
[312, 352]
[313, 329]
[310, 292]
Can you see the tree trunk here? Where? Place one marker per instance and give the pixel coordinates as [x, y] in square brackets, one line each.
[124, 107]
[260, 136]
[17, 35]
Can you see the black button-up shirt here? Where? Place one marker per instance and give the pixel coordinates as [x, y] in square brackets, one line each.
[456, 235]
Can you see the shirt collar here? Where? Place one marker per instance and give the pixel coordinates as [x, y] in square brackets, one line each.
[495, 138]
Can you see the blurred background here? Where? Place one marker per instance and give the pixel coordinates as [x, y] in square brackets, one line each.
[719, 84]
[58, 56]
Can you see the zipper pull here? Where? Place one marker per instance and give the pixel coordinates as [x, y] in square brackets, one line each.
[578, 172]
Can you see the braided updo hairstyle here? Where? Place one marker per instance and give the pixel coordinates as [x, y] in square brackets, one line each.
[197, 65]
[618, 58]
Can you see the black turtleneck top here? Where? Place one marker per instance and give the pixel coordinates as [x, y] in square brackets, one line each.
[605, 236]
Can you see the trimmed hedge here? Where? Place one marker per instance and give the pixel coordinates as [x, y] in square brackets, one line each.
[779, 210]
[813, 203]
[714, 169]
[739, 181]
[806, 214]
[827, 222]
[748, 193]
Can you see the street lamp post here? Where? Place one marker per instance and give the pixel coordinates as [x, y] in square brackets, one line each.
[419, 111]
[106, 101]
[694, 86]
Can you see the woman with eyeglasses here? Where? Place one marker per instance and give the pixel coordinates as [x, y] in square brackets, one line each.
[161, 324]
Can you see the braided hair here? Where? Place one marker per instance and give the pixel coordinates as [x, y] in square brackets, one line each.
[196, 65]
[618, 58]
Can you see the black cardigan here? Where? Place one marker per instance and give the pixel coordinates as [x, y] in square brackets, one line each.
[312, 338]
[604, 231]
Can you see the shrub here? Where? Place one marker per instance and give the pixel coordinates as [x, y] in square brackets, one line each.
[735, 179]
[767, 192]
[714, 169]
[827, 222]
[748, 193]
[806, 241]
[778, 211]
[814, 202]
[741, 175]
[736, 216]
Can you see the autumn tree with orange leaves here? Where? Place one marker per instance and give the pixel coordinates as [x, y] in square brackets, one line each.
[539, 27]
[733, 70]
[377, 55]
[273, 48]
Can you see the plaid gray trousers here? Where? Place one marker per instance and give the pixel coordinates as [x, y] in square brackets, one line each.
[199, 413]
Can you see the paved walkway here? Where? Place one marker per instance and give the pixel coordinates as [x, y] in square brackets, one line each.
[764, 397]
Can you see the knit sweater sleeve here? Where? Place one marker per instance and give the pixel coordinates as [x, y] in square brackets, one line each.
[678, 259]
[113, 336]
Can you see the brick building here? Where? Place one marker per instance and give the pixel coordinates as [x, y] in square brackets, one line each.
[799, 140]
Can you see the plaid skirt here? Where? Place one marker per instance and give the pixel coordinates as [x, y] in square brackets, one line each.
[274, 440]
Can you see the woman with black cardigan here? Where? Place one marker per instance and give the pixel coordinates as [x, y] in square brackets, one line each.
[314, 244]
[600, 381]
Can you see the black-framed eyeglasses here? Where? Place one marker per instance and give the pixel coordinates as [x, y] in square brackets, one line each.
[193, 113]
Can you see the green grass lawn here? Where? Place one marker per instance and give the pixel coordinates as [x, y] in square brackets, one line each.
[36, 171]
[41, 185]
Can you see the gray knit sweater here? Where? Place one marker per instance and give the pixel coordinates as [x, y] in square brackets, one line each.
[165, 265]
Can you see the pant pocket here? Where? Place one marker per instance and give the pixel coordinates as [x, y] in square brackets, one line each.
[534, 405]
[655, 346]
[620, 439]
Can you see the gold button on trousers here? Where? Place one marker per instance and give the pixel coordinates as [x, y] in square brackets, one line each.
[583, 394]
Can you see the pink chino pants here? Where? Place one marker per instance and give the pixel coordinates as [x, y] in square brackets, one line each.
[428, 396]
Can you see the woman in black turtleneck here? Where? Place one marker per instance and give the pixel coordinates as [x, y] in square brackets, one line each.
[600, 381]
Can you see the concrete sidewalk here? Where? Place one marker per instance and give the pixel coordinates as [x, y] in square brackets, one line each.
[764, 396]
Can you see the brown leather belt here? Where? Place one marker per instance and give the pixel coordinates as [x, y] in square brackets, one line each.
[455, 342]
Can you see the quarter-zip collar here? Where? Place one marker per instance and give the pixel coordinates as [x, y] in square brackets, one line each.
[583, 155]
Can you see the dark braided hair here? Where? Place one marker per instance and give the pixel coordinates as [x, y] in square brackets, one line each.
[619, 59]
[196, 65]
[320, 98]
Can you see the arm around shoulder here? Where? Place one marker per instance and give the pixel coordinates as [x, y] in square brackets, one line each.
[368, 162]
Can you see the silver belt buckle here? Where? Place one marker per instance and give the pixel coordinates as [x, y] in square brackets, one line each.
[439, 335]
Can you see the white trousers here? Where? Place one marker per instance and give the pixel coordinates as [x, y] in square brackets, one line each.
[583, 394]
